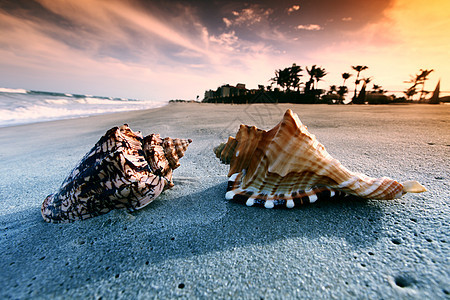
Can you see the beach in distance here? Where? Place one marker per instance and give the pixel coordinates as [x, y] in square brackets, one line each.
[192, 243]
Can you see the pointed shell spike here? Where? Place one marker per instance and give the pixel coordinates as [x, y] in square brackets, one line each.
[269, 204]
[290, 203]
[250, 202]
[412, 186]
[174, 150]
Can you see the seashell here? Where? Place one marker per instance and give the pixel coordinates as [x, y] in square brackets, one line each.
[122, 170]
[287, 166]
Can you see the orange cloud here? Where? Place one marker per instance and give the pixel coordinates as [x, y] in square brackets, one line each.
[293, 8]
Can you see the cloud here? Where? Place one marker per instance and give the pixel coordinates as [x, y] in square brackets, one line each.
[249, 16]
[228, 40]
[227, 22]
[117, 49]
[309, 27]
[113, 21]
[412, 35]
[120, 48]
[293, 8]
[347, 19]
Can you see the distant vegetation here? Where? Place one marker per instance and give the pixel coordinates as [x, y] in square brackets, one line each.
[287, 87]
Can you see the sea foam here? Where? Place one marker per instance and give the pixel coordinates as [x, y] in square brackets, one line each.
[19, 106]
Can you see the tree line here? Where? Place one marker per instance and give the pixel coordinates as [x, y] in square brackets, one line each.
[287, 86]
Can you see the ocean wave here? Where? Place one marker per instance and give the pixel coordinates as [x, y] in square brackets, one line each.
[57, 101]
[41, 113]
[15, 91]
[32, 106]
[105, 101]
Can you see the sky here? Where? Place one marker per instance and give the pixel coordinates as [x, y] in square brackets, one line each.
[162, 50]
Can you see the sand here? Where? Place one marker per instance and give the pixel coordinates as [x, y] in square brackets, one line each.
[192, 243]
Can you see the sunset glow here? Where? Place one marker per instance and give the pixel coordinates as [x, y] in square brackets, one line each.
[168, 50]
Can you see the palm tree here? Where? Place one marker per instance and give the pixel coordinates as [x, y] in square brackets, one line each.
[423, 77]
[282, 78]
[346, 76]
[294, 72]
[319, 74]
[358, 70]
[310, 83]
[316, 75]
[418, 80]
[333, 89]
[410, 92]
[288, 77]
[341, 92]
[367, 80]
[377, 89]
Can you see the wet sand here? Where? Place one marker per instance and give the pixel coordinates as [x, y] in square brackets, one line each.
[192, 243]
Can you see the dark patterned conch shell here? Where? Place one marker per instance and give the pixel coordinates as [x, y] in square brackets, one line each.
[122, 170]
[286, 166]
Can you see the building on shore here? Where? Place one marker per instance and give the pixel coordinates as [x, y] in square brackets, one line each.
[226, 90]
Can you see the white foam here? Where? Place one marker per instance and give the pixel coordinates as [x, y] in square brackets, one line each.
[31, 108]
[57, 101]
[16, 91]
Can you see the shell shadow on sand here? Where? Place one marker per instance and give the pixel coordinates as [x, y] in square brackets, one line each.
[170, 228]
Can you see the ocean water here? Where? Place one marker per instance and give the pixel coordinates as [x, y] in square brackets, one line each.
[19, 106]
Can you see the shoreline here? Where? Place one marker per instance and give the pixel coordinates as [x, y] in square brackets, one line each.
[27, 122]
[192, 243]
[200, 103]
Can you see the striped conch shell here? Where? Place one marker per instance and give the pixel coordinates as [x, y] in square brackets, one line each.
[287, 166]
[122, 170]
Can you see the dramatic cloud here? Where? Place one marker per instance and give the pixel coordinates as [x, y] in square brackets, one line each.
[169, 49]
[125, 46]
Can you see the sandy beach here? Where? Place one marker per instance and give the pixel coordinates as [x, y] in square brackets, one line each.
[192, 243]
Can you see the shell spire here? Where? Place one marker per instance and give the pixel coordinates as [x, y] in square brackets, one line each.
[163, 155]
[122, 170]
[287, 166]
